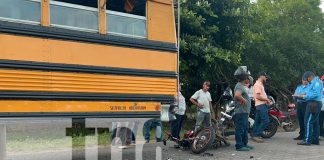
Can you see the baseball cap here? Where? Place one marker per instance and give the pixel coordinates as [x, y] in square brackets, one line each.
[307, 74]
[263, 73]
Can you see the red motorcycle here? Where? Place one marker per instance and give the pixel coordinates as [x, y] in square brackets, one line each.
[287, 120]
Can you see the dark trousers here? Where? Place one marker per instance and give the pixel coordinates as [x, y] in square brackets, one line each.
[153, 123]
[312, 124]
[241, 129]
[176, 125]
[321, 120]
[261, 120]
[301, 109]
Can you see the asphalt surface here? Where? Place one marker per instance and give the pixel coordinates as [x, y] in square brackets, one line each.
[280, 147]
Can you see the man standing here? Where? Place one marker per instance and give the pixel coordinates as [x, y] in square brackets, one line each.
[180, 115]
[202, 100]
[241, 114]
[301, 108]
[313, 98]
[261, 113]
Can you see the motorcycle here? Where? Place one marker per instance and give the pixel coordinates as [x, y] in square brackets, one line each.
[228, 112]
[287, 120]
[198, 141]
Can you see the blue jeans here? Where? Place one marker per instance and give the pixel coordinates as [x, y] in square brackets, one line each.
[241, 129]
[176, 125]
[261, 120]
[148, 125]
[312, 123]
[301, 109]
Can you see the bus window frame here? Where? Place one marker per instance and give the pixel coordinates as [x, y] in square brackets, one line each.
[24, 21]
[128, 15]
[75, 6]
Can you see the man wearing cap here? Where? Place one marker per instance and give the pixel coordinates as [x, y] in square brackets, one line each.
[313, 98]
[241, 113]
[261, 113]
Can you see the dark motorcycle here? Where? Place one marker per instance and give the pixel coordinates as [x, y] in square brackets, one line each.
[228, 112]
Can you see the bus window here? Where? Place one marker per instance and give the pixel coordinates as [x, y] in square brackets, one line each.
[126, 17]
[75, 14]
[28, 11]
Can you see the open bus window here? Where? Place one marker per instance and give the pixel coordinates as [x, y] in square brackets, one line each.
[135, 7]
[75, 14]
[28, 11]
[126, 17]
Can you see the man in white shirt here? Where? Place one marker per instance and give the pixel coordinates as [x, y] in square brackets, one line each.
[202, 100]
[180, 114]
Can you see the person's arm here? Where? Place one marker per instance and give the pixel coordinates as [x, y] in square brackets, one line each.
[258, 90]
[195, 102]
[210, 105]
[194, 98]
[296, 93]
[314, 91]
[238, 96]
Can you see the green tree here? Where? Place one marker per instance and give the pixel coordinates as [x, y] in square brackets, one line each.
[285, 38]
[211, 42]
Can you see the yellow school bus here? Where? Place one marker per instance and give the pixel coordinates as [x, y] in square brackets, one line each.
[87, 58]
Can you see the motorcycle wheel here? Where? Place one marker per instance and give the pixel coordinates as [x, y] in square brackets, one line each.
[290, 128]
[204, 137]
[271, 129]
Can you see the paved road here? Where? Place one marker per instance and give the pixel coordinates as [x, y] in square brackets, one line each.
[280, 147]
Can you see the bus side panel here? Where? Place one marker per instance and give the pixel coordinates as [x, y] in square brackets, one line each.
[24, 80]
[67, 52]
[160, 21]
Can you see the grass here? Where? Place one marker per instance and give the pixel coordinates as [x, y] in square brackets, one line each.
[25, 144]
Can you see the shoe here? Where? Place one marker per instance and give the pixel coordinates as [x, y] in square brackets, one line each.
[315, 143]
[249, 147]
[257, 139]
[299, 138]
[303, 143]
[147, 141]
[243, 149]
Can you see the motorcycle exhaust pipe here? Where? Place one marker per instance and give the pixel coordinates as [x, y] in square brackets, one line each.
[226, 115]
